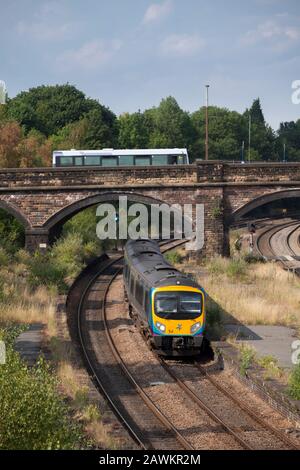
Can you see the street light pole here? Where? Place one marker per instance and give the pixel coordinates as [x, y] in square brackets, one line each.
[249, 151]
[206, 124]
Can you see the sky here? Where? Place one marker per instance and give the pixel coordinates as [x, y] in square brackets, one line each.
[129, 54]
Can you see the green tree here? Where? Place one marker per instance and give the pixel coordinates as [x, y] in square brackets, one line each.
[226, 133]
[134, 130]
[262, 135]
[49, 108]
[289, 134]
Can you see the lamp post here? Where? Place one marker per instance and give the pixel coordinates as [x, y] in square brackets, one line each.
[206, 124]
[249, 150]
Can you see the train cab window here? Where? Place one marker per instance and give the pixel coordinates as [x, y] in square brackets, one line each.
[109, 161]
[66, 161]
[126, 160]
[160, 160]
[78, 161]
[92, 161]
[139, 292]
[142, 161]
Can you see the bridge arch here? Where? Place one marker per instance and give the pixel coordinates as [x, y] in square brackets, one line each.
[66, 213]
[54, 224]
[241, 212]
[15, 212]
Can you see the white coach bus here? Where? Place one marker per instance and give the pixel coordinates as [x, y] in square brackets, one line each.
[111, 157]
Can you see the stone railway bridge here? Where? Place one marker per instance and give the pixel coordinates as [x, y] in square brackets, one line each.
[43, 199]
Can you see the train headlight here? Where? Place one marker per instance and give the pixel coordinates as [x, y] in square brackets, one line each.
[195, 327]
[160, 326]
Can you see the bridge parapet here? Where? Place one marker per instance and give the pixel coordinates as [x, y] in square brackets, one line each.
[112, 177]
[215, 171]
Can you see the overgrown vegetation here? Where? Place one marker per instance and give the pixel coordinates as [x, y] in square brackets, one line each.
[253, 292]
[247, 357]
[294, 383]
[174, 257]
[32, 413]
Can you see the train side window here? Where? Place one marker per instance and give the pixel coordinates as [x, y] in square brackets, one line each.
[139, 292]
[132, 284]
[146, 299]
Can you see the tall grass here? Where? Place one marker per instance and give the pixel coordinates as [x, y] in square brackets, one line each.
[254, 293]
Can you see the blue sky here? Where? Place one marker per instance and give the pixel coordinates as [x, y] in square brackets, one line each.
[131, 53]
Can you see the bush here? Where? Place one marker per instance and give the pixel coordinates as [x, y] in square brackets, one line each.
[236, 268]
[173, 257]
[250, 258]
[294, 383]
[68, 254]
[247, 358]
[32, 414]
[4, 257]
[45, 271]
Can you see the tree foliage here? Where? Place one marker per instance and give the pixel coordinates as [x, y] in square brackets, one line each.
[48, 118]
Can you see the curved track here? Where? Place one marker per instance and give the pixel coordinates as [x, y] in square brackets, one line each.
[280, 242]
[146, 423]
[139, 412]
[235, 416]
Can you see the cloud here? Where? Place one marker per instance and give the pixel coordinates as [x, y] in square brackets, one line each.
[91, 54]
[43, 31]
[157, 11]
[272, 32]
[182, 44]
[47, 24]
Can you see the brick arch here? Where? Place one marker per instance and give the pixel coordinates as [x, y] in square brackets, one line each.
[15, 212]
[237, 215]
[63, 215]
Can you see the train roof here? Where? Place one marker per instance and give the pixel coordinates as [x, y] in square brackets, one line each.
[147, 259]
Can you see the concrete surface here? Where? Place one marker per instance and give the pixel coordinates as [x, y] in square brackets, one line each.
[29, 343]
[267, 340]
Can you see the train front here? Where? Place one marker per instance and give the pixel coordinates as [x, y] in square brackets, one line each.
[178, 319]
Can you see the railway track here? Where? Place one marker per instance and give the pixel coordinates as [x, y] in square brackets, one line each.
[145, 422]
[281, 243]
[136, 406]
[246, 426]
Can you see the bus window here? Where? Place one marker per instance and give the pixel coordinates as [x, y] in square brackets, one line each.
[172, 159]
[109, 161]
[126, 160]
[78, 161]
[142, 161]
[160, 160]
[92, 161]
[181, 160]
[65, 161]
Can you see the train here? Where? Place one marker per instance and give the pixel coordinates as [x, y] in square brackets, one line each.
[167, 305]
[123, 157]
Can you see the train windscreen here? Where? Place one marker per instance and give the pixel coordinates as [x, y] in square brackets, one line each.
[178, 305]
